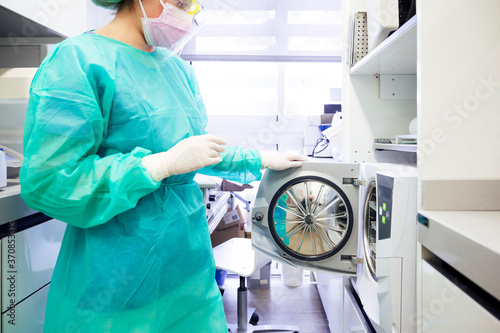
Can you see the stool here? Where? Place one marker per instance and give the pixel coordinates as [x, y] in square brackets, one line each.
[237, 256]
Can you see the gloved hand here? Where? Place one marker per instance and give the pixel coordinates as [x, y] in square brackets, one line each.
[281, 161]
[188, 155]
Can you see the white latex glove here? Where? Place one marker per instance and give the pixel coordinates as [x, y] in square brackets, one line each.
[282, 161]
[188, 155]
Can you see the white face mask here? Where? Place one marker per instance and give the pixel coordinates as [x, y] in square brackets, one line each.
[169, 28]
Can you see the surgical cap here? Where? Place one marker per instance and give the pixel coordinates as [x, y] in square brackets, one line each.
[106, 3]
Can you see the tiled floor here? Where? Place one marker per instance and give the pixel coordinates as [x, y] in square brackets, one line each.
[300, 306]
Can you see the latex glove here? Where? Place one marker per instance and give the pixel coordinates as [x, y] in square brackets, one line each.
[281, 161]
[188, 155]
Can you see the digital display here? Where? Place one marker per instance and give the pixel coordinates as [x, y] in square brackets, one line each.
[384, 212]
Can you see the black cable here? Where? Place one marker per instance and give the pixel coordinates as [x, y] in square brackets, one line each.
[317, 143]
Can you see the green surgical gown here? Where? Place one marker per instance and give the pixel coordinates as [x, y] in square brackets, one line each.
[136, 255]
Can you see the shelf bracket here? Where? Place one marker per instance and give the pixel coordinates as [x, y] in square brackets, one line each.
[398, 86]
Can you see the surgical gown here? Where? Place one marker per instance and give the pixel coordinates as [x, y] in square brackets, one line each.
[136, 255]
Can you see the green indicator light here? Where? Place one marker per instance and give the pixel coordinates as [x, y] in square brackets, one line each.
[384, 206]
[383, 219]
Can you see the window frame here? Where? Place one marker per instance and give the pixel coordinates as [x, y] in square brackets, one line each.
[268, 132]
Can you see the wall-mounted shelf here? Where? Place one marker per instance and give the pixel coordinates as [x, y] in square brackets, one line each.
[16, 28]
[396, 55]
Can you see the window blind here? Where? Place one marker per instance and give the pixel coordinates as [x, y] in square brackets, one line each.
[267, 58]
[269, 30]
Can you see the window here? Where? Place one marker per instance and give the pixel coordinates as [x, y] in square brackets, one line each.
[261, 57]
[267, 88]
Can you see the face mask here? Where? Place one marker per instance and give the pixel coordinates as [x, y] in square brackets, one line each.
[169, 28]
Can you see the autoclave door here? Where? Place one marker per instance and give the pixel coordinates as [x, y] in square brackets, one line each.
[370, 229]
[308, 217]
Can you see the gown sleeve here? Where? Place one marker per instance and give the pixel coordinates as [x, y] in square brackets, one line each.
[62, 175]
[238, 164]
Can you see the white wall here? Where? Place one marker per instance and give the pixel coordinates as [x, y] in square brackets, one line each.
[459, 89]
[96, 16]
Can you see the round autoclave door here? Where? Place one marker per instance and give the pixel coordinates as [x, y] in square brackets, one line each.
[309, 219]
[312, 218]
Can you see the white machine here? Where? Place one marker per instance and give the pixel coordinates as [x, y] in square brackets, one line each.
[312, 218]
[385, 282]
[385, 16]
[382, 18]
[12, 162]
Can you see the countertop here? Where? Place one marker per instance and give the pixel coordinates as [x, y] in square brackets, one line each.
[468, 241]
[12, 207]
[13, 188]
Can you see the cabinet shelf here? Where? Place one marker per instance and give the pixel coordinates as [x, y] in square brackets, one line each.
[396, 55]
[409, 148]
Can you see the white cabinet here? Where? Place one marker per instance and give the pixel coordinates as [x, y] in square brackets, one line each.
[31, 312]
[447, 308]
[459, 162]
[453, 51]
[29, 258]
[30, 244]
[375, 102]
[458, 105]
[458, 271]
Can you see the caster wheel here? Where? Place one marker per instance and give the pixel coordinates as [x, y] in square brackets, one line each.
[255, 319]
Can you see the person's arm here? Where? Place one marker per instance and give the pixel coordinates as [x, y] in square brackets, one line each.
[238, 164]
[62, 175]
[244, 165]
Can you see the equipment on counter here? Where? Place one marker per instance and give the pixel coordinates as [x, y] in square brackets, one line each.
[385, 16]
[13, 162]
[3, 170]
[218, 197]
[325, 140]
